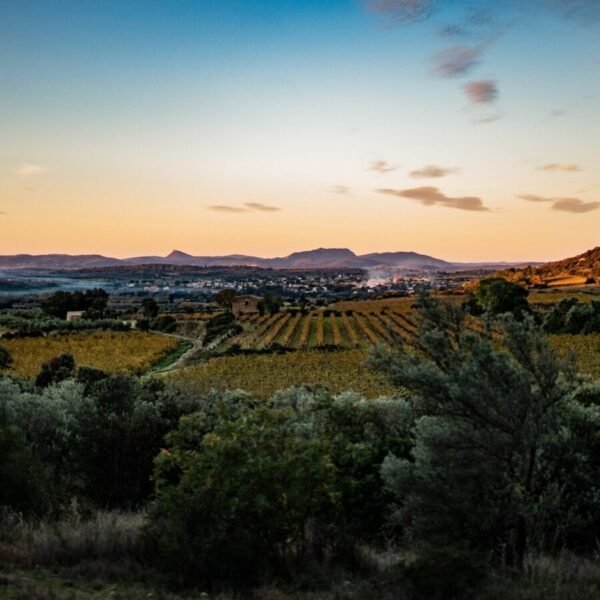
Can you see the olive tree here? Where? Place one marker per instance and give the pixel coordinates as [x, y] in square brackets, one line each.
[488, 405]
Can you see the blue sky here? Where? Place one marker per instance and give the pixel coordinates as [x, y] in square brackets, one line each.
[135, 127]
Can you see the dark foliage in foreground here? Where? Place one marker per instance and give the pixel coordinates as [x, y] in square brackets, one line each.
[487, 457]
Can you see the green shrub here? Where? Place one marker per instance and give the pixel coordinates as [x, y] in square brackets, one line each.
[234, 501]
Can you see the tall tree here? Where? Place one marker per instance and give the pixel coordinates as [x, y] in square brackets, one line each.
[488, 406]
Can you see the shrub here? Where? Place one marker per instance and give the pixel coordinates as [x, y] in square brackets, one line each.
[164, 323]
[234, 501]
[5, 358]
[58, 369]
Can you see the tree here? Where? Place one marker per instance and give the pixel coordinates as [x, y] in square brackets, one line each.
[572, 316]
[119, 431]
[225, 298]
[487, 410]
[5, 358]
[497, 296]
[57, 369]
[165, 323]
[92, 301]
[234, 500]
[150, 308]
[271, 303]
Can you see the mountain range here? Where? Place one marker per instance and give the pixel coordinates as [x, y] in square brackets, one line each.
[320, 258]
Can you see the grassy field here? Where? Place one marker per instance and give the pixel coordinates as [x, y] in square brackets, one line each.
[133, 352]
[263, 374]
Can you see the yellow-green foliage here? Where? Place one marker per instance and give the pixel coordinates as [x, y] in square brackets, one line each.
[122, 351]
[263, 374]
[585, 347]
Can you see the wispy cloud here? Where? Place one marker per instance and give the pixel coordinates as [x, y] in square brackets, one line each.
[535, 198]
[341, 190]
[402, 11]
[490, 118]
[480, 11]
[578, 9]
[558, 167]
[575, 205]
[381, 166]
[248, 207]
[432, 171]
[481, 92]
[262, 207]
[226, 208]
[456, 60]
[432, 196]
[572, 205]
[29, 169]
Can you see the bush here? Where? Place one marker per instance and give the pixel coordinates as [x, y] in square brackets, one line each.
[219, 326]
[58, 369]
[165, 323]
[234, 501]
[5, 358]
[25, 485]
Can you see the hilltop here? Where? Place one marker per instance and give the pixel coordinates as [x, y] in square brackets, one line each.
[576, 270]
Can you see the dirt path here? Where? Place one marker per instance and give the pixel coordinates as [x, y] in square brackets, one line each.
[180, 361]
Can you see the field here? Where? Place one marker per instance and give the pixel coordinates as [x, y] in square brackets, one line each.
[263, 374]
[133, 352]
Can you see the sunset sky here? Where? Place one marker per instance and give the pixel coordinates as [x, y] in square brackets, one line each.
[455, 129]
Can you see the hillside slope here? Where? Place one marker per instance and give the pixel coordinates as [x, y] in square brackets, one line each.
[576, 270]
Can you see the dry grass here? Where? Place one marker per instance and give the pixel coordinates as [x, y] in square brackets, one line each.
[107, 536]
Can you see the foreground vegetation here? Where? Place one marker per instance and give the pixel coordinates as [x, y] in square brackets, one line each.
[471, 473]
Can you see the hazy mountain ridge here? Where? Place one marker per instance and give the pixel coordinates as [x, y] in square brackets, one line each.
[319, 258]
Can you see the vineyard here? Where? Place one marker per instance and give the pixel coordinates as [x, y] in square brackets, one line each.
[263, 374]
[133, 352]
[356, 325]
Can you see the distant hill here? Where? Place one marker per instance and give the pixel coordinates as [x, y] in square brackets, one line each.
[319, 258]
[577, 270]
[57, 261]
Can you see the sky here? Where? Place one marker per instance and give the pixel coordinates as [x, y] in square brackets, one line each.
[467, 130]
